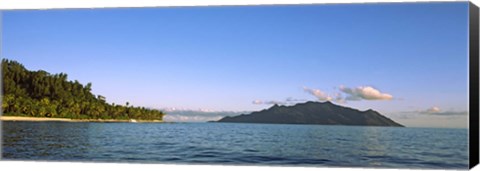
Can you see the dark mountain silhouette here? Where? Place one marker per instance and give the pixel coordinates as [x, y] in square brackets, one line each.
[323, 113]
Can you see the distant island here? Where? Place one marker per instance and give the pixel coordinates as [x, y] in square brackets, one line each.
[322, 113]
[39, 94]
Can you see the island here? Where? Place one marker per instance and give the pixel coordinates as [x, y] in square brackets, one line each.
[322, 113]
[41, 96]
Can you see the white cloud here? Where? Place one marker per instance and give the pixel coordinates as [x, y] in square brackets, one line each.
[287, 101]
[291, 99]
[433, 110]
[437, 111]
[429, 113]
[364, 93]
[320, 95]
[269, 102]
[353, 94]
[257, 102]
[201, 115]
[339, 98]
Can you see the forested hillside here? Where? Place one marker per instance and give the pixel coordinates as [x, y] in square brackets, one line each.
[41, 94]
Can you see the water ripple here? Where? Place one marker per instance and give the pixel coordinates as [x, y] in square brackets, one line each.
[239, 144]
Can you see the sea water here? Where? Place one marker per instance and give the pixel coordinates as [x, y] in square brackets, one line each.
[237, 144]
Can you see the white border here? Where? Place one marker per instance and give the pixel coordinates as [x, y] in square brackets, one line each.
[69, 4]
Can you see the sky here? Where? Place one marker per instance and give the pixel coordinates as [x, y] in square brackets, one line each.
[408, 61]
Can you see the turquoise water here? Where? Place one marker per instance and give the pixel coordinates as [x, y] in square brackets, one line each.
[237, 144]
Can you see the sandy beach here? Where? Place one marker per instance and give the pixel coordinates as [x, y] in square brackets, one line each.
[41, 119]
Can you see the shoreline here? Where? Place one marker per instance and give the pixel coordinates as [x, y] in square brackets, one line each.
[43, 119]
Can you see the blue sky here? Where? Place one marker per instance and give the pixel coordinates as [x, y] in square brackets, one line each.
[227, 58]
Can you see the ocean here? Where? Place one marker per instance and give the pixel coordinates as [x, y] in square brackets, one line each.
[237, 144]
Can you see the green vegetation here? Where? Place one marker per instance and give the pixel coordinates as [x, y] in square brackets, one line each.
[41, 94]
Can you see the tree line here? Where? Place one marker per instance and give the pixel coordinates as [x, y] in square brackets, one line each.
[41, 94]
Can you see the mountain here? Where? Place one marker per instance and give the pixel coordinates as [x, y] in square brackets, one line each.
[322, 113]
